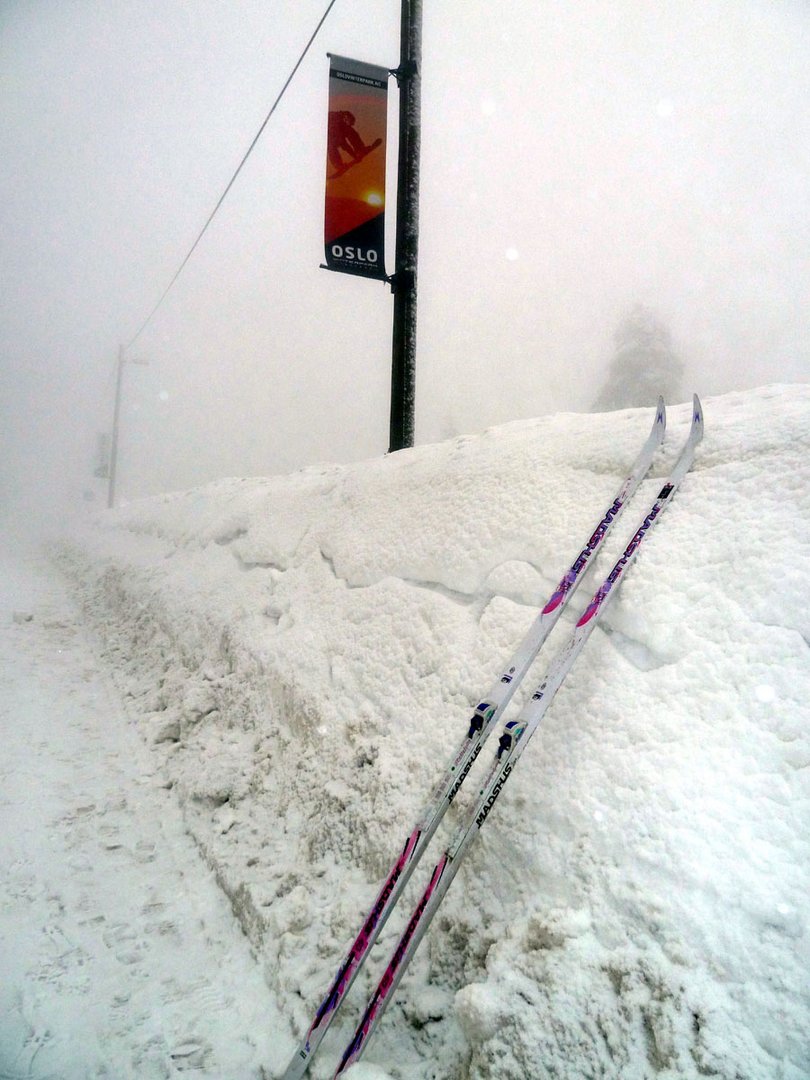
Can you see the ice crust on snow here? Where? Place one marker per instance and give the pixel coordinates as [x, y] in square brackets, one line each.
[303, 651]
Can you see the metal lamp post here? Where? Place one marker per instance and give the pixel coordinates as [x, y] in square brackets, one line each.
[403, 365]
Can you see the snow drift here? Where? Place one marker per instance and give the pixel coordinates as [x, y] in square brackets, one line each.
[303, 651]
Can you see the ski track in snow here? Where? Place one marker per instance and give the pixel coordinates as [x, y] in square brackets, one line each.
[121, 957]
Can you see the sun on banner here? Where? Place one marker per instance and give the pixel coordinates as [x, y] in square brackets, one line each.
[354, 230]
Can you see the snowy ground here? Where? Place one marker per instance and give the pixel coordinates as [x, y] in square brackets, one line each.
[120, 955]
[299, 652]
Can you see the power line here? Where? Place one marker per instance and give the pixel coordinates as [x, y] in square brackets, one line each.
[224, 194]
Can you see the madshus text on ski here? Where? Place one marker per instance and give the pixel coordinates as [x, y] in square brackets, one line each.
[513, 741]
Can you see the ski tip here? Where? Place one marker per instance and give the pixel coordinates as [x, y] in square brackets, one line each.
[697, 416]
[661, 416]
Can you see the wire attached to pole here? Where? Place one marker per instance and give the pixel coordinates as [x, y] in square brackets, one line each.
[224, 194]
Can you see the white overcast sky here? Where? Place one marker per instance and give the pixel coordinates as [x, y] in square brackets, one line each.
[577, 158]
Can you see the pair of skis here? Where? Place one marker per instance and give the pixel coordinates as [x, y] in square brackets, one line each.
[513, 741]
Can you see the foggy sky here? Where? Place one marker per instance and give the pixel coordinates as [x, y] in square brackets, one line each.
[577, 159]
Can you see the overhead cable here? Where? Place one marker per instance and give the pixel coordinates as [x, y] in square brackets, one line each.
[224, 194]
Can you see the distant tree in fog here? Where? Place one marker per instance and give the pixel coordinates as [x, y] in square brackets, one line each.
[644, 364]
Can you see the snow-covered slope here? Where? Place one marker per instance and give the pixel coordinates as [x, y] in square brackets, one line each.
[302, 651]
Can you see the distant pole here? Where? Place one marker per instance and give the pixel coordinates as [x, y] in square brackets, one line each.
[403, 353]
[119, 381]
[114, 442]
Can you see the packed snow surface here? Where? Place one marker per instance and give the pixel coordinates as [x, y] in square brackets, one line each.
[120, 956]
[301, 653]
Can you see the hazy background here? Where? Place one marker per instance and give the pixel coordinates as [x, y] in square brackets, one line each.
[577, 158]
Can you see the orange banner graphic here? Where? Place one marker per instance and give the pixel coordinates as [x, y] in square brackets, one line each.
[354, 231]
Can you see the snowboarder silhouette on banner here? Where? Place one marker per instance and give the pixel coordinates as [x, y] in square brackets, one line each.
[343, 137]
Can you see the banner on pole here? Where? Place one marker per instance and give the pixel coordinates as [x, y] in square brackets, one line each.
[354, 224]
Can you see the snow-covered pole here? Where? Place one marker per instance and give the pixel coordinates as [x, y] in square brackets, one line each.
[403, 283]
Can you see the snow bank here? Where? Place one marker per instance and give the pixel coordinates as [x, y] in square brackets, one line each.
[302, 651]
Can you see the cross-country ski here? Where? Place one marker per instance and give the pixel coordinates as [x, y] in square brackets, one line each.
[513, 742]
[485, 717]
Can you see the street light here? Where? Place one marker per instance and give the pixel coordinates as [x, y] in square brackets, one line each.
[122, 359]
